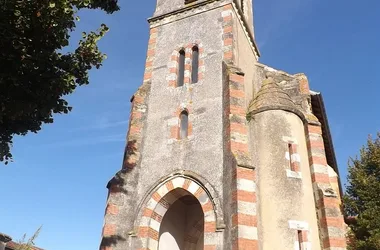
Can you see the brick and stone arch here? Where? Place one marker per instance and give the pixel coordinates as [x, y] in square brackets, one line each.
[173, 66]
[160, 202]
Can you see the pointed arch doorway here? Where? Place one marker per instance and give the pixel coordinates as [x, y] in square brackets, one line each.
[182, 226]
[179, 215]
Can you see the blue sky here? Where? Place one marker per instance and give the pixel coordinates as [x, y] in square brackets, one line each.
[59, 176]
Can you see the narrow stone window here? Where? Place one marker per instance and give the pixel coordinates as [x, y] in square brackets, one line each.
[299, 233]
[293, 158]
[181, 68]
[290, 150]
[301, 238]
[184, 126]
[195, 65]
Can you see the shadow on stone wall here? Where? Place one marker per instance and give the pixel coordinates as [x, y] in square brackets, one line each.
[109, 241]
[118, 183]
[130, 154]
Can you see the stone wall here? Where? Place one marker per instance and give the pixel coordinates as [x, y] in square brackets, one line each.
[254, 173]
[285, 202]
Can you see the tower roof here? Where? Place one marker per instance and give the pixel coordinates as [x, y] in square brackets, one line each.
[272, 97]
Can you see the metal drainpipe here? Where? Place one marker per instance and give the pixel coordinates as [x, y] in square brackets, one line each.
[4, 239]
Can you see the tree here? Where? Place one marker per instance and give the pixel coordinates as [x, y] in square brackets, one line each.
[35, 74]
[362, 199]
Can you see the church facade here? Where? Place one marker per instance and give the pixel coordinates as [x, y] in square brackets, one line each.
[222, 151]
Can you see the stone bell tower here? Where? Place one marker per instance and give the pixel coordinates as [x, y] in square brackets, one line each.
[222, 152]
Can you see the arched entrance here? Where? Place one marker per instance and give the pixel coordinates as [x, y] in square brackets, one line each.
[182, 226]
[179, 216]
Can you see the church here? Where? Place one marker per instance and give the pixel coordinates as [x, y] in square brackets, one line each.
[222, 152]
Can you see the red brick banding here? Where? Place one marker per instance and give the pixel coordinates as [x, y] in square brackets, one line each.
[244, 218]
[243, 193]
[112, 209]
[330, 219]
[228, 38]
[161, 200]
[245, 244]
[134, 139]
[304, 84]
[237, 111]
[109, 229]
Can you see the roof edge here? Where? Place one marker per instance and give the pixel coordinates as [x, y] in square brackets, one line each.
[5, 238]
[318, 99]
[277, 107]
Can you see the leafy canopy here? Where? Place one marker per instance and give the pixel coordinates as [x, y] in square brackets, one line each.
[34, 74]
[362, 199]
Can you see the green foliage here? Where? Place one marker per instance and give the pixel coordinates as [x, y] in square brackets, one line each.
[24, 244]
[34, 74]
[362, 198]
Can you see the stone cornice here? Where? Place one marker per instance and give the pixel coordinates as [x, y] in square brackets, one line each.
[181, 13]
[185, 9]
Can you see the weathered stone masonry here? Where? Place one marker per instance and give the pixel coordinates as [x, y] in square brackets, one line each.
[330, 218]
[118, 186]
[228, 37]
[159, 203]
[172, 77]
[244, 221]
[256, 170]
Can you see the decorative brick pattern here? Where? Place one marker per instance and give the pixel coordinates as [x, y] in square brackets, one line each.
[139, 107]
[150, 54]
[134, 139]
[173, 65]
[109, 229]
[304, 84]
[330, 219]
[238, 129]
[228, 37]
[160, 202]
[112, 209]
[244, 220]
